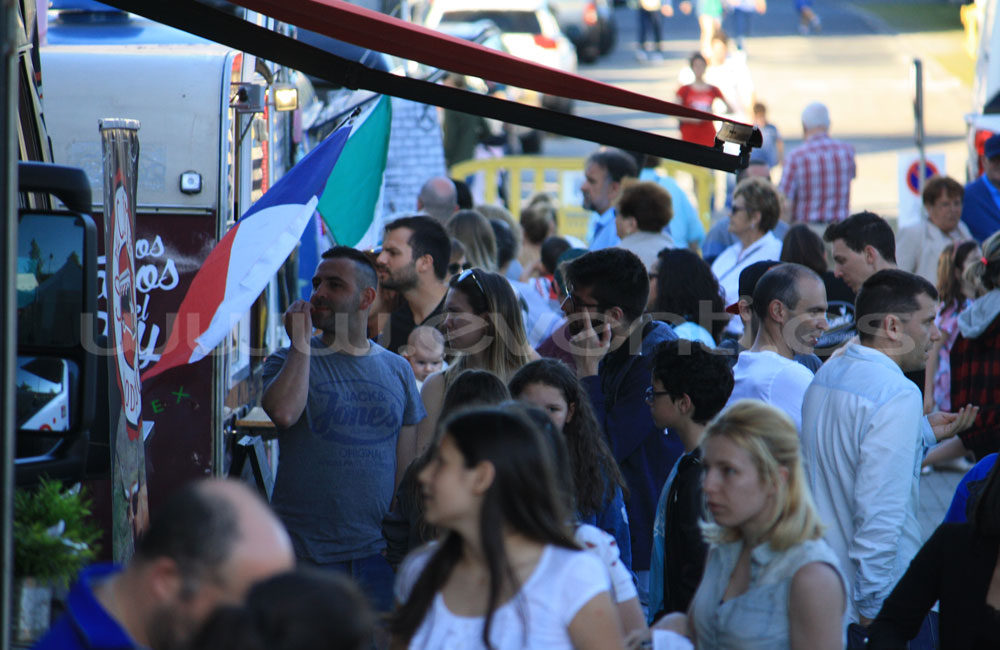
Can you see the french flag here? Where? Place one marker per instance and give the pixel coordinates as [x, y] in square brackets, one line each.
[243, 262]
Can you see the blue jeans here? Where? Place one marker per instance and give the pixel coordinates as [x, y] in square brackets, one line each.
[373, 574]
[649, 24]
[741, 25]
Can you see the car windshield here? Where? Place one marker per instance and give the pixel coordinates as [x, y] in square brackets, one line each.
[510, 22]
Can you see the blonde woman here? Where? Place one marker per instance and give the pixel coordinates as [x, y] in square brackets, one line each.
[484, 328]
[474, 231]
[770, 580]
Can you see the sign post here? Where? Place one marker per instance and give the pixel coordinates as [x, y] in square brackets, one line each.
[913, 172]
[918, 122]
[120, 144]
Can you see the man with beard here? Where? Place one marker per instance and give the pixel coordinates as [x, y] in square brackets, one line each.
[345, 411]
[864, 437]
[207, 545]
[414, 262]
[612, 343]
[603, 174]
[789, 302]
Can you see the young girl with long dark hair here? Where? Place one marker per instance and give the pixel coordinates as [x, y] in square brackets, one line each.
[598, 484]
[507, 572]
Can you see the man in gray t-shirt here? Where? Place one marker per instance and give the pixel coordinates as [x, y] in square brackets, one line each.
[345, 409]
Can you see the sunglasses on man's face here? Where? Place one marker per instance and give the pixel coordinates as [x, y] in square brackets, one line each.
[455, 267]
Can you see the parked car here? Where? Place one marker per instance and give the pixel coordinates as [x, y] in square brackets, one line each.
[528, 31]
[590, 24]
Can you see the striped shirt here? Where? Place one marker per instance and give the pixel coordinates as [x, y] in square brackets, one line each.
[817, 180]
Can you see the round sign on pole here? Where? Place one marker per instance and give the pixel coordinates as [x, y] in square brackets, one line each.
[913, 175]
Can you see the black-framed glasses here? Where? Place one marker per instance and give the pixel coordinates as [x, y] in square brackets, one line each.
[455, 267]
[466, 274]
[651, 394]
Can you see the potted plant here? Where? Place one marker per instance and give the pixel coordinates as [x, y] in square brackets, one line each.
[54, 538]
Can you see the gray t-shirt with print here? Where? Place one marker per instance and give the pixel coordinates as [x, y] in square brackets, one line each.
[337, 463]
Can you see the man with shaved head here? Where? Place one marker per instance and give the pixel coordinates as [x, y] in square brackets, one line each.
[206, 547]
[438, 198]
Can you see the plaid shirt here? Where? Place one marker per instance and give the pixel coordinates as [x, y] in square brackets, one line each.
[817, 179]
[975, 379]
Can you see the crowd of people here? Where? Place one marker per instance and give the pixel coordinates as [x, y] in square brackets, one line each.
[493, 435]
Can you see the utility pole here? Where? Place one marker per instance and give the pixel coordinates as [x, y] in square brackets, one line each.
[8, 321]
[918, 122]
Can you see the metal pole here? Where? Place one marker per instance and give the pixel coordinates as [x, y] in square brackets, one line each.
[8, 268]
[918, 120]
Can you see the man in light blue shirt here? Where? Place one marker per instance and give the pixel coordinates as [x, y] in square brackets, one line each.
[685, 227]
[864, 437]
[603, 173]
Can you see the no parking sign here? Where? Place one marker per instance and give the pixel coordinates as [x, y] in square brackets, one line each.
[910, 202]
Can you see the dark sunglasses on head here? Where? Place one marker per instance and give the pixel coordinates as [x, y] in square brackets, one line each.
[466, 274]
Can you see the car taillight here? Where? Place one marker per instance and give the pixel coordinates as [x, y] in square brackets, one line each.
[541, 40]
[982, 135]
[590, 14]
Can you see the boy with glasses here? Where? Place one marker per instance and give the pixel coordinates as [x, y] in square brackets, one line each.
[689, 386]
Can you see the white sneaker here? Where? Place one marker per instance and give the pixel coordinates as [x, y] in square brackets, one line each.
[655, 56]
[641, 55]
[960, 464]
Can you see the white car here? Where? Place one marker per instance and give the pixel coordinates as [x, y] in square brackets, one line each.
[528, 31]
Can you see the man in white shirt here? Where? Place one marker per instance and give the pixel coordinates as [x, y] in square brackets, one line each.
[790, 303]
[864, 437]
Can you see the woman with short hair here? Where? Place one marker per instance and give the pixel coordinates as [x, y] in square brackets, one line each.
[754, 213]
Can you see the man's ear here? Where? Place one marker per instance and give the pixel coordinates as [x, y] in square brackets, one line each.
[871, 255]
[616, 188]
[163, 579]
[777, 310]
[368, 296]
[892, 327]
[685, 405]
[615, 315]
[424, 263]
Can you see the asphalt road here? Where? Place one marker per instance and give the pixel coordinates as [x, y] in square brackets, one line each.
[859, 69]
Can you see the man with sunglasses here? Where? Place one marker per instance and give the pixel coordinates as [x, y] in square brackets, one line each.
[612, 343]
[414, 261]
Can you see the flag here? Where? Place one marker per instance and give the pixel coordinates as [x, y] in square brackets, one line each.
[243, 262]
[350, 201]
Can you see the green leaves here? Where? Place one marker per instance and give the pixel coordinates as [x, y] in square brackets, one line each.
[54, 534]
